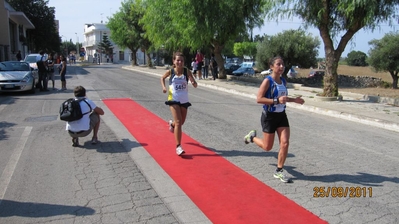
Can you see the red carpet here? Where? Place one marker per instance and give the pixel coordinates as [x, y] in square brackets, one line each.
[224, 192]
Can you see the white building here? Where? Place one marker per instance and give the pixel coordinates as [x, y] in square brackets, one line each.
[13, 26]
[93, 35]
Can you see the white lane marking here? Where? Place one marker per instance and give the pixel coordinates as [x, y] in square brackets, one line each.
[5, 103]
[12, 163]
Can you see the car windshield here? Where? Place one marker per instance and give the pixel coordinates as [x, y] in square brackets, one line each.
[30, 58]
[14, 66]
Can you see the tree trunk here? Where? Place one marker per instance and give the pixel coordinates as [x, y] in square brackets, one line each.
[395, 77]
[134, 59]
[149, 61]
[219, 59]
[331, 76]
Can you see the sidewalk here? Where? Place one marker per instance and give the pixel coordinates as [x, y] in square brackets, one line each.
[354, 107]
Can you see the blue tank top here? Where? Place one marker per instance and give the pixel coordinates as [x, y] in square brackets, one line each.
[275, 90]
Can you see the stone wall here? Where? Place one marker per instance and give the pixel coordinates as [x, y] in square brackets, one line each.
[343, 81]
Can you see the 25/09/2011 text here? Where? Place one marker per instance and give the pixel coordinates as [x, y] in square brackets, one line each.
[342, 192]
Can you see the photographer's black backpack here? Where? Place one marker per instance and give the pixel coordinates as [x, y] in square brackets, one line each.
[70, 110]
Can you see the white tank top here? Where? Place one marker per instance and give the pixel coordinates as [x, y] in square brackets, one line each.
[282, 91]
[178, 89]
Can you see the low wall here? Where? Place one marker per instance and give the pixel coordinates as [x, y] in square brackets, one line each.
[343, 81]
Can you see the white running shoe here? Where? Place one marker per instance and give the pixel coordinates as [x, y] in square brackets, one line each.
[171, 128]
[250, 136]
[179, 150]
[281, 175]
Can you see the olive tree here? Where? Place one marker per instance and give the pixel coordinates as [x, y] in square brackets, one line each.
[384, 56]
[356, 58]
[294, 46]
[337, 21]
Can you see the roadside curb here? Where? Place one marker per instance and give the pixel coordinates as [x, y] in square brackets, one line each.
[350, 117]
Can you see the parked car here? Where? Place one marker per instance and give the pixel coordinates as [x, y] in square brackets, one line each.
[244, 71]
[237, 60]
[230, 67]
[292, 73]
[17, 76]
[246, 68]
[32, 59]
[266, 72]
[315, 73]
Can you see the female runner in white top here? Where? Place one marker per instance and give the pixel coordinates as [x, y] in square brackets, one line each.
[178, 96]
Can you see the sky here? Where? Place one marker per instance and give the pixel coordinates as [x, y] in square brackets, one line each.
[73, 14]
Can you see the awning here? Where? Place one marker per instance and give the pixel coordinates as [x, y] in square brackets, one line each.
[21, 19]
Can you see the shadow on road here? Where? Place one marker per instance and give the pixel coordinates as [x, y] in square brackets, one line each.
[29, 209]
[360, 178]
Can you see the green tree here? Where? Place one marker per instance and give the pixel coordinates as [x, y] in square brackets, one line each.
[128, 32]
[123, 30]
[178, 24]
[356, 58]
[67, 47]
[105, 46]
[336, 19]
[45, 35]
[384, 56]
[294, 46]
[245, 48]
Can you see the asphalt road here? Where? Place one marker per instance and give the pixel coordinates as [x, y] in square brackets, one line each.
[45, 180]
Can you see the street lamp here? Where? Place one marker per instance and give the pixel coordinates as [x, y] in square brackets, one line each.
[77, 45]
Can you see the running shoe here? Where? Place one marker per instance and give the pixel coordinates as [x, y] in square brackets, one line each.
[179, 150]
[280, 175]
[94, 141]
[250, 137]
[75, 142]
[171, 128]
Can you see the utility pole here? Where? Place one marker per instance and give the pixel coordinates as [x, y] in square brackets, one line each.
[77, 46]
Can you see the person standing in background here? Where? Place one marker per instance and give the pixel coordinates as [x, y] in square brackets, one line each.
[62, 70]
[50, 69]
[194, 68]
[42, 70]
[19, 56]
[206, 67]
[199, 58]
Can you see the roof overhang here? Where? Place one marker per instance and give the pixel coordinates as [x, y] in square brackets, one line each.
[20, 18]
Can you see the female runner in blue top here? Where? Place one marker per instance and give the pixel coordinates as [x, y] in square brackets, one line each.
[273, 95]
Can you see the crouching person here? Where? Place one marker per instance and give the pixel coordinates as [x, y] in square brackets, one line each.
[90, 120]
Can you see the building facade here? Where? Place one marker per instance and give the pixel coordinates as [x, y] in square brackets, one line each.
[93, 35]
[13, 26]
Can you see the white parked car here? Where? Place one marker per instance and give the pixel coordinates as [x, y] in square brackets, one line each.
[291, 73]
[266, 72]
[17, 76]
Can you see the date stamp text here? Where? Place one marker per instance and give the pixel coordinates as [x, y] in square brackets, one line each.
[342, 192]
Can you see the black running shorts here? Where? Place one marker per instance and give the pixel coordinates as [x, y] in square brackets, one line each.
[271, 121]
